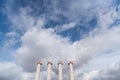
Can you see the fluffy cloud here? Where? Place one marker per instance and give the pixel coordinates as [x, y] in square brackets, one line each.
[46, 45]
[43, 44]
[8, 71]
[77, 11]
[11, 71]
[111, 73]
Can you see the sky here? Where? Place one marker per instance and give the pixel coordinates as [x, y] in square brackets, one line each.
[86, 32]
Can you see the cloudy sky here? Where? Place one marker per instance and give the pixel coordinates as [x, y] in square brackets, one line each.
[86, 32]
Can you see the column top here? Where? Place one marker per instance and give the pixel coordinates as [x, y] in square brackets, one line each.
[70, 63]
[60, 63]
[39, 62]
[50, 63]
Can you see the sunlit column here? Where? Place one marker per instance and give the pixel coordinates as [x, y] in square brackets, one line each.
[71, 70]
[38, 71]
[49, 71]
[60, 70]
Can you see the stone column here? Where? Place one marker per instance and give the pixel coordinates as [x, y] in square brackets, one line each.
[38, 71]
[60, 70]
[71, 70]
[49, 71]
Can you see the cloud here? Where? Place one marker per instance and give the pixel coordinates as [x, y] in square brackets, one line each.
[44, 44]
[111, 73]
[11, 71]
[65, 27]
[80, 12]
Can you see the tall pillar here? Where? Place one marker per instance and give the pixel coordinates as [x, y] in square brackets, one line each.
[49, 71]
[38, 71]
[60, 70]
[71, 70]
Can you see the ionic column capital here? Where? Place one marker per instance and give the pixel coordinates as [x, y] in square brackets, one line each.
[60, 63]
[39, 63]
[50, 63]
[70, 63]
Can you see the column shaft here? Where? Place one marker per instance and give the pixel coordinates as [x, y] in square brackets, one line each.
[71, 71]
[60, 70]
[49, 71]
[38, 71]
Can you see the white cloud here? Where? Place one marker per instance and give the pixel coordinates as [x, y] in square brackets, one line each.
[11, 71]
[23, 21]
[12, 39]
[110, 73]
[45, 45]
[42, 45]
[11, 34]
[86, 10]
[65, 27]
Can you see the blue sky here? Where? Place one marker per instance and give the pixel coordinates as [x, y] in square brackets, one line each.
[85, 32]
[76, 33]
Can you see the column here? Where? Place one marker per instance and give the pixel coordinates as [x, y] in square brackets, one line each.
[49, 71]
[60, 70]
[71, 70]
[38, 71]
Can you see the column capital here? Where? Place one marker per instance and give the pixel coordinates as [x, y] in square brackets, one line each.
[60, 63]
[50, 63]
[38, 62]
[70, 63]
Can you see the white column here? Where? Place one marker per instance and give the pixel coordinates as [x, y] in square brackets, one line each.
[60, 70]
[38, 71]
[49, 71]
[71, 70]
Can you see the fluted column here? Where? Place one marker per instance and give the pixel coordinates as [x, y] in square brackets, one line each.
[71, 70]
[49, 71]
[60, 70]
[38, 71]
